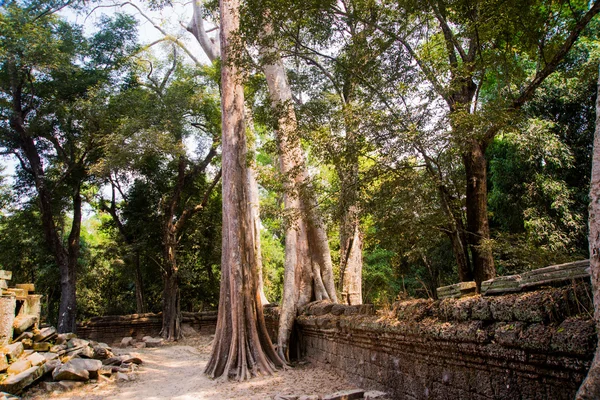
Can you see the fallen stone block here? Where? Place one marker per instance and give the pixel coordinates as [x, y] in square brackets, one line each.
[17, 383]
[126, 341]
[153, 342]
[51, 365]
[24, 335]
[345, 395]
[132, 360]
[101, 353]
[69, 372]
[49, 356]
[27, 343]
[13, 351]
[18, 366]
[42, 346]
[457, 290]
[45, 334]
[140, 345]
[3, 363]
[58, 348]
[6, 275]
[36, 359]
[63, 338]
[23, 323]
[8, 396]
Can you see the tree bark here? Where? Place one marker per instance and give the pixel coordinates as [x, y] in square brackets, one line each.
[171, 310]
[308, 268]
[478, 229]
[590, 388]
[351, 243]
[140, 303]
[242, 347]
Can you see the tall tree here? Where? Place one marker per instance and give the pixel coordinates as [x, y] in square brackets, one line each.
[242, 347]
[590, 388]
[308, 266]
[480, 39]
[49, 77]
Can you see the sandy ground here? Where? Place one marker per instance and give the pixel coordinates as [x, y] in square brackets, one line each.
[175, 372]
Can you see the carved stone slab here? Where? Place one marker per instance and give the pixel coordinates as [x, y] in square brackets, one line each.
[457, 290]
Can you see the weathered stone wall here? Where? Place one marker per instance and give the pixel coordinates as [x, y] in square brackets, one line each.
[112, 328]
[534, 345]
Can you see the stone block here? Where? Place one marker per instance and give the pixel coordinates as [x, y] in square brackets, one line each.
[18, 366]
[501, 285]
[555, 273]
[45, 334]
[63, 338]
[127, 341]
[23, 322]
[42, 346]
[8, 305]
[3, 363]
[3, 284]
[457, 290]
[32, 306]
[153, 342]
[28, 287]
[36, 359]
[17, 383]
[17, 292]
[12, 351]
[6, 275]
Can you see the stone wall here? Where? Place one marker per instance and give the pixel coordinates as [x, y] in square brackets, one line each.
[533, 345]
[112, 328]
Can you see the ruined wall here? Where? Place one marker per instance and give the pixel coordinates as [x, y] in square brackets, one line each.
[532, 345]
[535, 345]
[112, 328]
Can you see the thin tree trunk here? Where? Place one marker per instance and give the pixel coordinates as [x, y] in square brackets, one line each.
[351, 244]
[478, 229]
[242, 347]
[140, 304]
[171, 310]
[66, 263]
[590, 388]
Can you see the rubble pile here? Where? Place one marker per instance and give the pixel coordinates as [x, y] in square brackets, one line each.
[30, 353]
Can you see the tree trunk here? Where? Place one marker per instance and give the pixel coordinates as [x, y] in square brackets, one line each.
[308, 268]
[140, 303]
[66, 263]
[242, 347]
[351, 245]
[255, 203]
[590, 388]
[478, 229]
[171, 312]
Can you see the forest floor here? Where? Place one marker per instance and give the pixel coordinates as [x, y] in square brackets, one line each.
[176, 372]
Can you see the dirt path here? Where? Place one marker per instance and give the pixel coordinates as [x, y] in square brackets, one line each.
[175, 372]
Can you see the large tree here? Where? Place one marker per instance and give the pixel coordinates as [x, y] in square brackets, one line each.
[590, 388]
[53, 82]
[242, 347]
